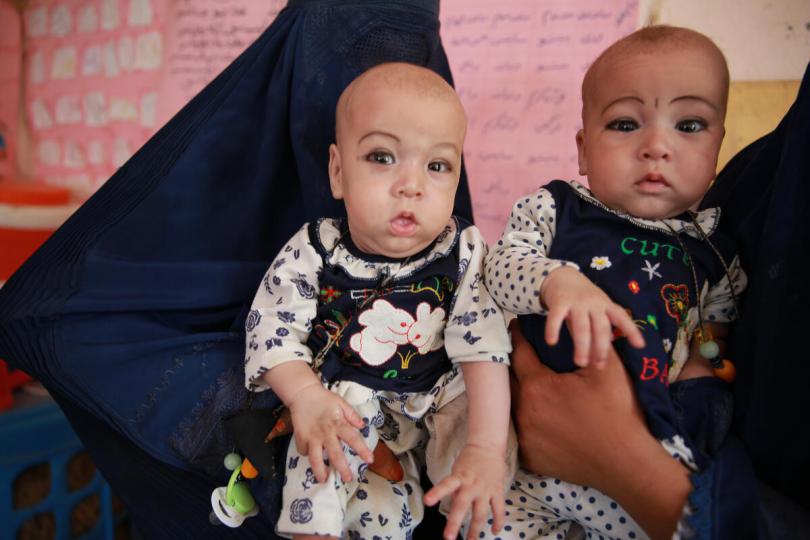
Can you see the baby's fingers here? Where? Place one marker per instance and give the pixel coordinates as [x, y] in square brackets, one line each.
[351, 415]
[624, 322]
[602, 338]
[337, 459]
[447, 486]
[315, 455]
[462, 501]
[579, 325]
[498, 514]
[554, 321]
[479, 518]
[356, 442]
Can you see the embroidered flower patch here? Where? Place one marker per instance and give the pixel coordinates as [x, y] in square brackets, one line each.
[600, 263]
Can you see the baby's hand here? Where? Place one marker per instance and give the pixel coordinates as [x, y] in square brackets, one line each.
[589, 313]
[322, 420]
[477, 481]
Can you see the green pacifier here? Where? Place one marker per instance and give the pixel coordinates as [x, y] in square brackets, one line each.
[238, 494]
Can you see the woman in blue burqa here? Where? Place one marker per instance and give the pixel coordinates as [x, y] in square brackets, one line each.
[132, 313]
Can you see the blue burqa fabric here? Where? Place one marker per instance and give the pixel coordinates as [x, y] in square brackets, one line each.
[132, 313]
[764, 193]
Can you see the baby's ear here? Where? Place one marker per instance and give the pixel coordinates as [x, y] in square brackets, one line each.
[583, 162]
[335, 172]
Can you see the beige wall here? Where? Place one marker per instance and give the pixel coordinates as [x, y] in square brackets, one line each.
[767, 44]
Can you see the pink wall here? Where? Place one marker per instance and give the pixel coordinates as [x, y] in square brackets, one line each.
[9, 83]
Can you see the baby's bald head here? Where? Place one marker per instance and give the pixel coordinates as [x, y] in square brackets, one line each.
[394, 77]
[649, 41]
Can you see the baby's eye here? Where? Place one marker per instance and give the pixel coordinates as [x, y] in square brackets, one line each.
[439, 166]
[623, 124]
[690, 126]
[383, 158]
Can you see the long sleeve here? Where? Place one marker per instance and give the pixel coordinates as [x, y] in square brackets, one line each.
[719, 302]
[518, 264]
[476, 330]
[279, 322]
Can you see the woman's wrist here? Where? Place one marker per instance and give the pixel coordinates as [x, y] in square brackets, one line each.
[650, 485]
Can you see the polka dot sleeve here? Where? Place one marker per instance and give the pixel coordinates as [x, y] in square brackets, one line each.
[475, 330]
[518, 263]
[279, 322]
[719, 304]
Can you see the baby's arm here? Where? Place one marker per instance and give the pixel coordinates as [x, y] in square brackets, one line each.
[476, 339]
[523, 279]
[277, 329]
[477, 479]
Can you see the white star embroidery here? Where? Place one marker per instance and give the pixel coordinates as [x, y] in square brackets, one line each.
[651, 270]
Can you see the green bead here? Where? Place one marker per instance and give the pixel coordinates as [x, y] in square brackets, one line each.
[242, 499]
[232, 461]
[709, 350]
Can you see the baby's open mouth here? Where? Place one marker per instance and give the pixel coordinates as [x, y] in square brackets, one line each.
[404, 224]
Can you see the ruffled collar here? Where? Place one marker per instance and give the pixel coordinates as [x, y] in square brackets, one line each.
[707, 219]
[333, 241]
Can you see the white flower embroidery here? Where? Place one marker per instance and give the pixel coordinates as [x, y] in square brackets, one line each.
[600, 263]
[667, 344]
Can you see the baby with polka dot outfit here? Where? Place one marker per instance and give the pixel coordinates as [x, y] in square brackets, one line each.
[629, 263]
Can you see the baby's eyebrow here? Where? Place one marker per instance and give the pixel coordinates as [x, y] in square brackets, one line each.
[696, 98]
[623, 98]
[448, 145]
[382, 133]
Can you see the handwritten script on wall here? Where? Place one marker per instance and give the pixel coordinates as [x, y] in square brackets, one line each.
[204, 36]
[518, 67]
[104, 75]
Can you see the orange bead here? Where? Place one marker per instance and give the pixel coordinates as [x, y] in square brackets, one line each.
[726, 371]
[248, 470]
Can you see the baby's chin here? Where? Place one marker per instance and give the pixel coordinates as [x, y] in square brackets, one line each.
[654, 212]
[400, 250]
[396, 247]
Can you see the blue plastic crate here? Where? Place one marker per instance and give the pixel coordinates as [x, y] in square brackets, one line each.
[36, 432]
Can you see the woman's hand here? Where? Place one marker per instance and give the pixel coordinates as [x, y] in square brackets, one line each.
[586, 427]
